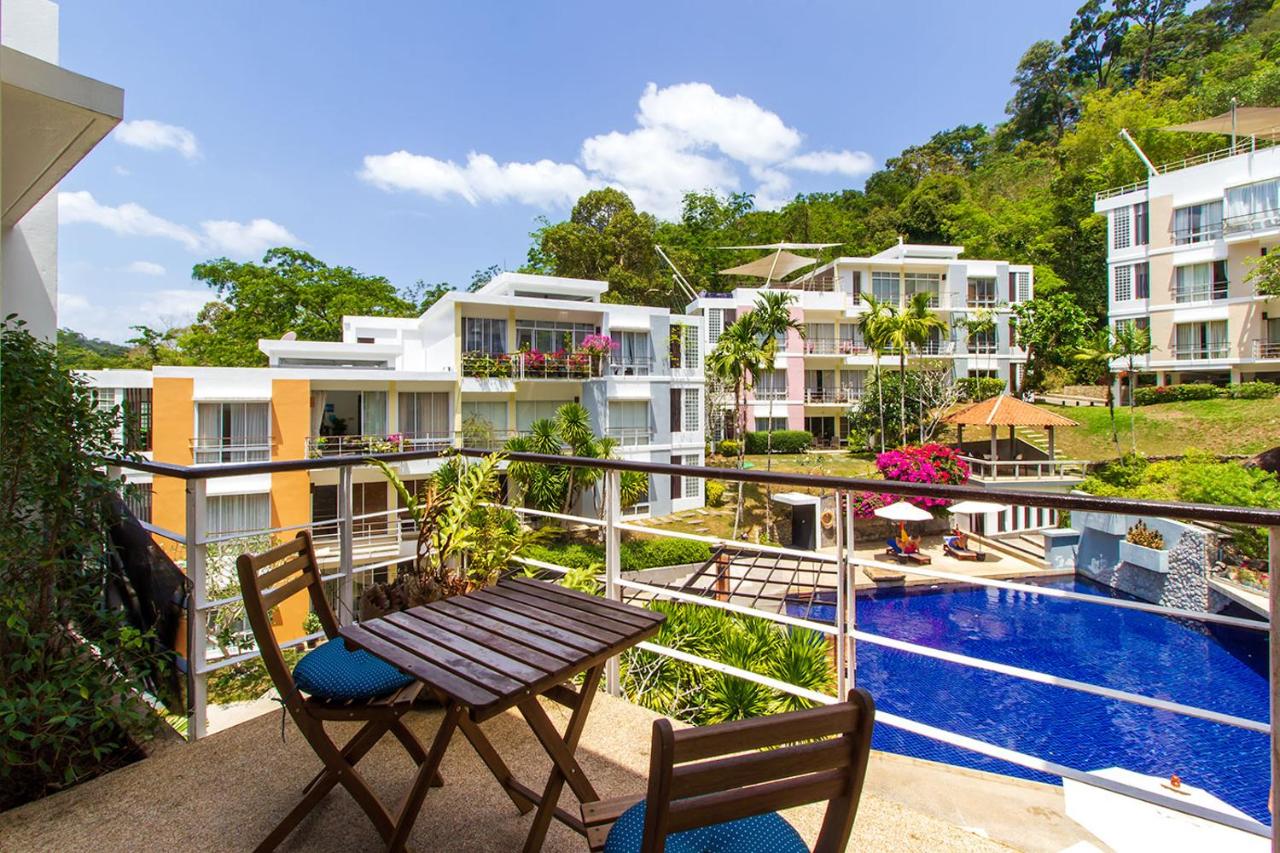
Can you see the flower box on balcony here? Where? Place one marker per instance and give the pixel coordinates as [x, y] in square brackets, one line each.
[1151, 559]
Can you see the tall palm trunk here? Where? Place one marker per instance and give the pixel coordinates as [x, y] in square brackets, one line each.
[740, 394]
[880, 399]
[768, 463]
[1111, 406]
[1133, 411]
[902, 391]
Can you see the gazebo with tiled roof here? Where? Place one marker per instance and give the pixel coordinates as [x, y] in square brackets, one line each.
[1005, 410]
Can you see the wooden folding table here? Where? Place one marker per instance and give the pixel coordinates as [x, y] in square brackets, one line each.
[501, 648]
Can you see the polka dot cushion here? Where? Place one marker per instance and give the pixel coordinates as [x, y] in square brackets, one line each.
[766, 833]
[331, 672]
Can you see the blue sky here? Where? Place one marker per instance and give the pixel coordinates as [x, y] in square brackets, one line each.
[350, 129]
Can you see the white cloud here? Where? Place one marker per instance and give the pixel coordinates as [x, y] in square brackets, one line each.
[687, 137]
[122, 171]
[157, 136]
[98, 316]
[145, 268]
[833, 162]
[481, 179]
[245, 239]
[238, 239]
[127, 220]
[176, 306]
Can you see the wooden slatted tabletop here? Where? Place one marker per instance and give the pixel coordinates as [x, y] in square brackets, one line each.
[493, 649]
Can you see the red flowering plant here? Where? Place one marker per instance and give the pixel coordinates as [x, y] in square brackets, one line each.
[931, 463]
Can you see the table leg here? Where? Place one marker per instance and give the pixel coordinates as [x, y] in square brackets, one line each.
[423, 778]
[565, 767]
[494, 762]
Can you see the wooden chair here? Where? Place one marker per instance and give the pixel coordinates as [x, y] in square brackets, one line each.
[700, 777]
[267, 579]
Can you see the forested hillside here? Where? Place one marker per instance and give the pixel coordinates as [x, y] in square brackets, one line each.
[1022, 190]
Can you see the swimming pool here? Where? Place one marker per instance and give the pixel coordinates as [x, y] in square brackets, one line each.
[1209, 666]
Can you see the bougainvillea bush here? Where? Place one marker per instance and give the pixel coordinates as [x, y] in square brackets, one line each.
[935, 464]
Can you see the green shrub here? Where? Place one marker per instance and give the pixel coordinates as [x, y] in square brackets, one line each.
[784, 441]
[974, 388]
[715, 492]
[71, 671]
[636, 553]
[1253, 391]
[729, 447]
[1177, 393]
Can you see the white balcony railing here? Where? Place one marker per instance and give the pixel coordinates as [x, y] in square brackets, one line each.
[832, 395]
[1258, 220]
[631, 436]
[213, 450]
[1202, 292]
[1196, 234]
[1201, 352]
[1266, 349]
[1026, 469]
[744, 583]
[362, 445]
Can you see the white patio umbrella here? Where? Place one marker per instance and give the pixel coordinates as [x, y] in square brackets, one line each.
[976, 508]
[902, 511]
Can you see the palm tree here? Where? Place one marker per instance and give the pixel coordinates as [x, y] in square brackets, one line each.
[556, 488]
[772, 320]
[736, 358]
[909, 329]
[875, 330]
[1131, 341]
[1098, 352]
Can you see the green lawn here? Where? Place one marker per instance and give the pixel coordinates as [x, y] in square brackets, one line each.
[1213, 426]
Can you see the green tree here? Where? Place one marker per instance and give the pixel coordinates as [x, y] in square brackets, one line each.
[906, 330]
[289, 291]
[77, 352]
[605, 238]
[1264, 274]
[876, 326]
[422, 295]
[1093, 43]
[772, 320]
[1042, 106]
[1097, 353]
[1152, 19]
[735, 360]
[1051, 330]
[1131, 343]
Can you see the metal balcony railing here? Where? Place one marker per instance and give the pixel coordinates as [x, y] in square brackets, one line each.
[832, 395]
[1026, 469]
[631, 436]
[1202, 293]
[350, 561]
[1196, 234]
[363, 445]
[212, 450]
[1266, 349]
[761, 393]
[528, 365]
[1201, 352]
[1244, 223]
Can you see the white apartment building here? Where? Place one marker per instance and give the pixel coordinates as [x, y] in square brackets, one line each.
[1179, 246]
[815, 380]
[474, 369]
[51, 118]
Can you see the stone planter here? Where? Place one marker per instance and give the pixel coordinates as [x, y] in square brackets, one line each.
[1151, 559]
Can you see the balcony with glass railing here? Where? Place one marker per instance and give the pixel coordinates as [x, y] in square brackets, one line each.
[826, 396]
[532, 365]
[1200, 233]
[1202, 292]
[631, 436]
[1254, 221]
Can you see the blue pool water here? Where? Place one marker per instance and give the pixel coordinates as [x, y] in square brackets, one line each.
[1214, 667]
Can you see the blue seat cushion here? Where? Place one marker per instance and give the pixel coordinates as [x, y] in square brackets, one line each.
[766, 833]
[329, 671]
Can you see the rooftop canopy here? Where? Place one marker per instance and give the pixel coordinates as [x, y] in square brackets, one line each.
[1006, 411]
[776, 265]
[1248, 121]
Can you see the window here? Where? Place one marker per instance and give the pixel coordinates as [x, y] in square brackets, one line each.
[692, 410]
[681, 486]
[762, 424]
[885, 286]
[1122, 283]
[481, 334]
[851, 384]
[1142, 280]
[228, 514]
[820, 338]
[771, 385]
[641, 506]
[1022, 286]
[1121, 236]
[1200, 282]
[1194, 341]
[629, 422]
[1141, 227]
[528, 411]
[684, 348]
[982, 292]
[549, 336]
[633, 356]
[1197, 223]
[820, 386]
[1252, 206]
[929, 283]
[373, 412]
[494, 414]
[982, 343]
[715, 324]
[425, 414]
[233, 432]
[136, 413]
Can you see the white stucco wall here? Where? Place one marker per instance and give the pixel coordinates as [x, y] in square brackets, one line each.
[29, 250]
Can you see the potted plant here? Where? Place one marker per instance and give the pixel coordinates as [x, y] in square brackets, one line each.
[1144, 547]
[465, 539]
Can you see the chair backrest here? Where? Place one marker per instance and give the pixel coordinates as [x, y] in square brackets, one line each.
[713, 774]
[269, 578]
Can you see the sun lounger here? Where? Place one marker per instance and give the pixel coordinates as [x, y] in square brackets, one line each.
[949, 545]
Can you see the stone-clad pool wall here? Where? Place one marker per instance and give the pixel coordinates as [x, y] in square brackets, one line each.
[1093, 546]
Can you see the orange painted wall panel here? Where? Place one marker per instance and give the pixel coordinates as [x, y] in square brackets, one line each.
[290, 490]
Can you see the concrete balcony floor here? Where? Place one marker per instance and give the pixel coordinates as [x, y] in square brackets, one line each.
[227, 791]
